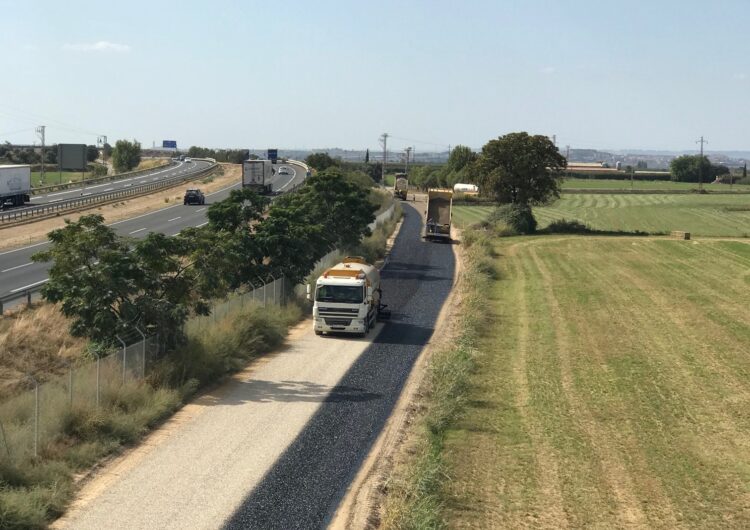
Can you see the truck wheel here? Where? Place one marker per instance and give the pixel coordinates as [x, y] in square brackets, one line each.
[318, 332]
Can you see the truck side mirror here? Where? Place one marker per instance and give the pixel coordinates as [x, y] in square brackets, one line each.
[309, 291]
[369, 293]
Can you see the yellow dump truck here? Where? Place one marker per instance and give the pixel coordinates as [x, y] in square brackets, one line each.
[438, 223]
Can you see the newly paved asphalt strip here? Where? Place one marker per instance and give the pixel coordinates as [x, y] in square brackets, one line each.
[305, 485]
[277, 447]
[18, 272]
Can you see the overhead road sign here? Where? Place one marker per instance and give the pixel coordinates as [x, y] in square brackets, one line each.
[169, 144]
[273, 155]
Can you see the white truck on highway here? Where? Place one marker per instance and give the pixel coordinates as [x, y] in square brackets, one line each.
[15, 185]
[347, 298]
[256, 174]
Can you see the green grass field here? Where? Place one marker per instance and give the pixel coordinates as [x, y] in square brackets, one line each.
[702, 215]
[575, 183]
[612, 391]
[53, 177]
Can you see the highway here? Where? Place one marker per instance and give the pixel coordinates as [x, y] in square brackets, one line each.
[18, 272]
[279, 444]
[180, 168]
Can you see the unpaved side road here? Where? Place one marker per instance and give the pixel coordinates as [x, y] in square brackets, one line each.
[279, 445]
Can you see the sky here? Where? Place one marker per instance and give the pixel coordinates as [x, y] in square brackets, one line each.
[601, 74]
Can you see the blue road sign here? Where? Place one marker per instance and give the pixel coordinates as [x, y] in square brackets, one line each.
[169, 144]
[273, 155]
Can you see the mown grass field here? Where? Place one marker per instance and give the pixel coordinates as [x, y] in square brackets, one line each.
[55, 177]
[613, 388]
[576, 183]
[702, 215]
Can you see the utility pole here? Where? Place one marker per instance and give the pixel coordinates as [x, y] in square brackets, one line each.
[406, 168]
[700, 165]
[101, 141]
[554, 140]
[384, 141]
[40, 132]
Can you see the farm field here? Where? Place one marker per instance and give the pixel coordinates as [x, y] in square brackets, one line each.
[54, 177]
[613, 389]
[577, 183]
[702, 215]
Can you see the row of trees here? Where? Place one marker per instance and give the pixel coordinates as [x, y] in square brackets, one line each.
[108, 284]
[17, 155]
[233, 156]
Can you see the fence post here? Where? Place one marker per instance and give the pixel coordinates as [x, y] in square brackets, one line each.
[70, 386]
[124, 354]
[275, 297]
[28, 298]
[98, 371]
[5, 441]
[143, 350]
[36, 417]
[264, 290]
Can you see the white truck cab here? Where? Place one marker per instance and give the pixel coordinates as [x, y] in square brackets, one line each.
[347, 298]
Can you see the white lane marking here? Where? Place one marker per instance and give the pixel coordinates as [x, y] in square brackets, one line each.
[109, 189]
[170, 220]
[18, 267]
[35, 198]
[85, 194]
[294, 175]
[60, 193]
[202, 224]
[57, 200]
[30, 285]
[23, 248]
[136, 231]
[199, 210]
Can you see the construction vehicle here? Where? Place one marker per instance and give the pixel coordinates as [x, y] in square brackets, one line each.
[466, 189]
[15, 185]
[439, 205]
[347, 298]
[256, 174]
[401, 186]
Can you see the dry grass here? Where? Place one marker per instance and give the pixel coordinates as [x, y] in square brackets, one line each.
[35, 342]
[34, 232]
[149, 163]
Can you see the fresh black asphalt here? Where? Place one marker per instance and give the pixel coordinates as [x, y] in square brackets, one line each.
[307, 483]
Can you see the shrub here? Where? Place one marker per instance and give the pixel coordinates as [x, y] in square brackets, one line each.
[517, 217]
[564, 226]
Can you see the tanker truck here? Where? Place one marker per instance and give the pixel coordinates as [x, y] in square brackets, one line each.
[347, 298]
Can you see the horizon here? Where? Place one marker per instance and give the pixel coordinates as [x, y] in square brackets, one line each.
[627, 74]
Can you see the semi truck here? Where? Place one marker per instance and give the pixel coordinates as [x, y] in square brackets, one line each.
[15, 185]
[401, 186]
[439, 205]
[347, 298]
[256, 174]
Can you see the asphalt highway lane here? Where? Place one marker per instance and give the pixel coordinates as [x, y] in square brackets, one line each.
[306, 484]
[18, 272]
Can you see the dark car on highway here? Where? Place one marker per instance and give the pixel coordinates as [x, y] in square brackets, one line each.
[194, 196]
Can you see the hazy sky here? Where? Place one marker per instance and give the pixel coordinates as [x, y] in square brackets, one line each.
[601, 74]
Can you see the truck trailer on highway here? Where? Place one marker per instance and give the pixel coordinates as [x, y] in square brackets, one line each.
[347, 298]
[256, 174]
[15, 185]
[439, 205]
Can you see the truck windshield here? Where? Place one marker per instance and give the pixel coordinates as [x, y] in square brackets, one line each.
[345, 294]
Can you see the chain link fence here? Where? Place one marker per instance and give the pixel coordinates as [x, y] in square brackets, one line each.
[32, 421]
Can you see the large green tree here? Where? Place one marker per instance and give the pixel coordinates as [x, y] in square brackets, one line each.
[320, 161]
[519, 168]
[126, 155]
[693, 168]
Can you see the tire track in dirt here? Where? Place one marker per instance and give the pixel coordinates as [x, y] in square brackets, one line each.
[617, 477]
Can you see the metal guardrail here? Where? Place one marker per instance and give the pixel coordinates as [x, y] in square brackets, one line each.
[67, 204]
[28, 293]
[97, 180]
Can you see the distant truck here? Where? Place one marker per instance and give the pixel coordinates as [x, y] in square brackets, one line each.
[256, 174]
[439, 205]
[401, 186]
[15, 185]
[347, 298]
